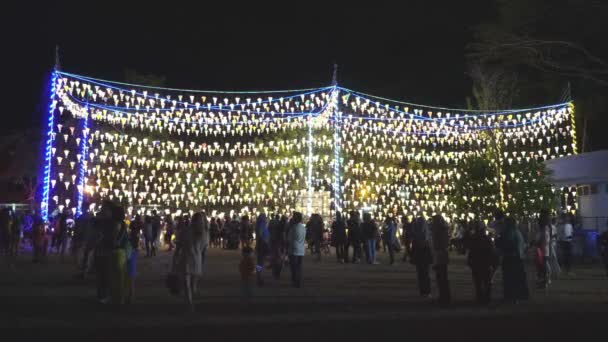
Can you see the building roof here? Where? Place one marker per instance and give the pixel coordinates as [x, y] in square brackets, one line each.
[583, 168]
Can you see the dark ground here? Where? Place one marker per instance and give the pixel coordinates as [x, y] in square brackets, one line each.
[337, 302]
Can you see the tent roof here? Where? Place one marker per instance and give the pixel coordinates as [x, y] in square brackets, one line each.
[584, 168]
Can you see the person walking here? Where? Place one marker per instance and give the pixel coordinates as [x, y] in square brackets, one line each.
[422, 256]
[296, 239]
[511, 247]
[483, 260]
[441, 244]
[338, 237]
[188, 256]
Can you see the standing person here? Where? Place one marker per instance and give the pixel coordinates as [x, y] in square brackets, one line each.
[187, 258]
[296, 239]
[441, 244]
[13, 235]
[81, 228]
[543, 247]
[203, 226]
[338, 237]
[91, 236]
[564, 234]
[214, 232]
[156, 224]
[511, 246]
[277, 242]
[370, 232]
[390, 238]
[406, 235]
[148, 236]
[121, 249]
[135, 229]
[62, 234]
[169, 230]
[103, 248]
[262, 246]
[482, 260]
[38, 239]
[603, 242]
[422, 256]
[315, 228]
[553, 261]
[245, 231]
[354, 236]
[224, 232]
[5, 232]
[246, 268]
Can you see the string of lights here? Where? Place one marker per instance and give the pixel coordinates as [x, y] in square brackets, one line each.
[233, 155]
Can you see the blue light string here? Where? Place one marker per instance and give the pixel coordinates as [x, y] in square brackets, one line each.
[44, 210]
[146, 110]
[438, 120]
[83, 152]
[472, 130]
[191, 90]
[186, 104]
[121, 113]
[482, 112]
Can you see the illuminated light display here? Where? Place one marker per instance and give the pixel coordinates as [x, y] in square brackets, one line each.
[229, 151]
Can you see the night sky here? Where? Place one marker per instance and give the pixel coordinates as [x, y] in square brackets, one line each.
[413, 53]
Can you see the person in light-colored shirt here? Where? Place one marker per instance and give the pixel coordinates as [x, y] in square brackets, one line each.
[296, 238]
[564, 235]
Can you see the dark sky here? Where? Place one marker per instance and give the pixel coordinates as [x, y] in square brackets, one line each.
[412, 52]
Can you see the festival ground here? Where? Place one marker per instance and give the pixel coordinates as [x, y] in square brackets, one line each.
[336, 302]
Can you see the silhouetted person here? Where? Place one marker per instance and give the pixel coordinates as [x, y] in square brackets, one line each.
[296, 239]
[483, 260]
[390, 237]
[422, 256]
[441, 243]
[338, 237]
[511, 246]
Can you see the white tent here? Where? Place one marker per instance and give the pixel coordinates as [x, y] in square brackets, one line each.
[589, 172]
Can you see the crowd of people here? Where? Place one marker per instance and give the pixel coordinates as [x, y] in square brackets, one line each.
[107, 245]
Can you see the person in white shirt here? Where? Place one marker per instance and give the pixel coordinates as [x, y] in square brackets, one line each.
[564, 235]
[553, 262]
[296, 238]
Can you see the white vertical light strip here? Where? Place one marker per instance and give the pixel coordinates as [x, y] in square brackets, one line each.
[309, 175]
[337, 147]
